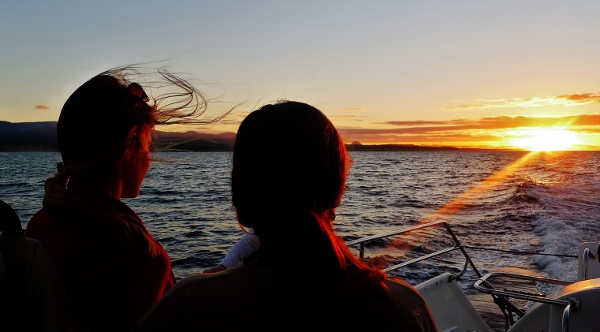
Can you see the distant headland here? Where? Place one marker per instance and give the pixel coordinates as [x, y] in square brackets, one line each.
[41, 137]
[413, 147]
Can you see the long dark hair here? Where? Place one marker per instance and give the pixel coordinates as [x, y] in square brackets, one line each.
[289, 174]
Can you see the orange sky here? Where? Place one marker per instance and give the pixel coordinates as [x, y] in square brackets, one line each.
[504, 131]
[484, 132]
[458, 73]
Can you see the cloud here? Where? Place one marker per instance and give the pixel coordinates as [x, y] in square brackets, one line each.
[582, 97]
[412, 123]
[347, 117]
[230, 122]
[42, 107]
[464, 130]
[354, 109]
[560, 100]
[500, 122]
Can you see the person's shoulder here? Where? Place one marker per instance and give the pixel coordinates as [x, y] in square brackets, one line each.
[410, 301]
[403, 291]
[228, 278]
[242, 283]
[399, 283]
[36, 225]
[206, 300]
[193, 280]
[41, 215]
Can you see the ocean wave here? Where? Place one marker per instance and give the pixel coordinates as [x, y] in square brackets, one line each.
[491, 199]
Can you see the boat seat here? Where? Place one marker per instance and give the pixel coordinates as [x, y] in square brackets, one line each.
[549, 317]
[450, 307]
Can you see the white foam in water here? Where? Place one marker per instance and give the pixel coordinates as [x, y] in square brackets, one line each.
[557, 238]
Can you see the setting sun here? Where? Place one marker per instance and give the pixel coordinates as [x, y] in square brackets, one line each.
[547, 139]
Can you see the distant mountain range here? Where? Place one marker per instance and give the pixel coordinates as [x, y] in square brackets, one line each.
[41, 136]
[28, 136]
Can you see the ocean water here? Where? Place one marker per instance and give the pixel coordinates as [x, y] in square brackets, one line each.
[507, 201]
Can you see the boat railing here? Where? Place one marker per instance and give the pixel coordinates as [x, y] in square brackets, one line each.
[568, 303]
[456, 245]
[495, 283]
[502, 300]
[519, 295]
[588, 266]
[587, 254]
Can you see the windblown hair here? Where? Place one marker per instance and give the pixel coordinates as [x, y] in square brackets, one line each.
[101, 123]
[289, 174]
[103, 119]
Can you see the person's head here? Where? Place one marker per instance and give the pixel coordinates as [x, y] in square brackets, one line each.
[10, 224]
[106, 122]
[104, 129]
[289, 174]
[289, 171]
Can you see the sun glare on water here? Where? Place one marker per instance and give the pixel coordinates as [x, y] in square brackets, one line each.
[550, 139]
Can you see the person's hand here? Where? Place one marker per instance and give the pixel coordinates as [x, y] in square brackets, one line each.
[215, 269]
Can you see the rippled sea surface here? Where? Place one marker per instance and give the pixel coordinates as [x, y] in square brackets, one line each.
[513, 201]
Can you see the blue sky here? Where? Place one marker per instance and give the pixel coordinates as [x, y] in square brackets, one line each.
[423, 72]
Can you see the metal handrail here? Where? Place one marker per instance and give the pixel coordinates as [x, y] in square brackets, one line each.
[502, 301]
[501, 297]
[568, 303]
[587, 253]
[456, 246]
[513, 294]
[565, 318]
[422, 258]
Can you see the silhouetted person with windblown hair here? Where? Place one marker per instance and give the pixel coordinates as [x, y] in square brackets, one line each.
[288, 177]
[112, 267]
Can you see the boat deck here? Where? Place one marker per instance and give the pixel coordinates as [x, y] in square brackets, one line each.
[475, 309]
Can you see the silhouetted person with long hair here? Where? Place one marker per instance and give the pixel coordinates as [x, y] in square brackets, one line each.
[112, 267]
[288, 177]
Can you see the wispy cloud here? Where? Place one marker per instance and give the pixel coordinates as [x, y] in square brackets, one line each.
[347, 118]
[42, 107]
[230, 122]
[353, 109]
[501, 122]
[561, 100]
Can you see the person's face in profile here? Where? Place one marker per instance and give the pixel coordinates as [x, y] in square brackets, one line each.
[136, 167]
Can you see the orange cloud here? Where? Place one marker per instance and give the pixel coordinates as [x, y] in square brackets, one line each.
[561, 100]
[347, 117]
[582, 97]
[42, 107]
[411, 123]
[354, 109]
[487, 129]
[501, 122]
[230, 122]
